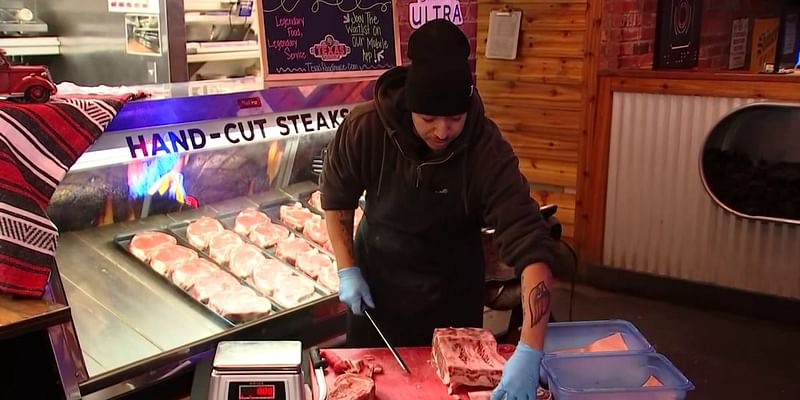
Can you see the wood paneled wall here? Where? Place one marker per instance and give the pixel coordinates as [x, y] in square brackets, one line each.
[541, 99]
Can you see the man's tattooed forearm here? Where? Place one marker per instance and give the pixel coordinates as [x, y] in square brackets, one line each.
[539, 303]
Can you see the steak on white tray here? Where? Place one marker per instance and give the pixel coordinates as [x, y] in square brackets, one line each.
[289, 248]
[188, 272]
[201, 230]
[248, 219]
[268, 234]
[244, 258]
[240, 305]
[166, 258]
[221, 245]
[295, 215]
[143, 244]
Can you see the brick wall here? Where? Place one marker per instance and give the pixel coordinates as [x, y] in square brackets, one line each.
[629, 30]
[469, 9]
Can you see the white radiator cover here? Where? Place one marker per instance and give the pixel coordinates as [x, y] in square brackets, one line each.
[660, 220]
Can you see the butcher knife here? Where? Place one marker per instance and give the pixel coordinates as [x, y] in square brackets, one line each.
[389, 345]
[319, 364]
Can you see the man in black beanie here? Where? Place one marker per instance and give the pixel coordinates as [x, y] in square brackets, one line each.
[436, 170]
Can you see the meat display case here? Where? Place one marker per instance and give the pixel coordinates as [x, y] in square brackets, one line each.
[164, 162]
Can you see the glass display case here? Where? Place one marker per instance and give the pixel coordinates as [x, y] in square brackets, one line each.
[184, 225]
[21, 18]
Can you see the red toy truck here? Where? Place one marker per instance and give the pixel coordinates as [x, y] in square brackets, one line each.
[31, 83]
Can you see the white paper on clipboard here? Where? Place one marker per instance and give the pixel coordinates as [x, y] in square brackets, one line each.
[503, 37]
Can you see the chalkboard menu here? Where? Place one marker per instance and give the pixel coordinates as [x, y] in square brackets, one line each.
[305, 38]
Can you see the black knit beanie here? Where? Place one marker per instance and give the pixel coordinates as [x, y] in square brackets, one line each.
[439, 79]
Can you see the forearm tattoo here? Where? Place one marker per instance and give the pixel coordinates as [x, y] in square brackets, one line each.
[538, 303]
[346, 226]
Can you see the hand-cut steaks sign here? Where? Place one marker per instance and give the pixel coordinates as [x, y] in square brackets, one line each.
[323, 36]
[233, 132]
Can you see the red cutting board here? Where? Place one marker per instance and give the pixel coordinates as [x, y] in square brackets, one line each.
[394, 383]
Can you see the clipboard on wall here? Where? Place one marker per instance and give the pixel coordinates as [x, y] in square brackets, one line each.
[503, 37]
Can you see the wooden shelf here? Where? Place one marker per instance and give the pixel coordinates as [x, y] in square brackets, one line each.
[20, 316]
[31, 46]
[223, 56]
[702, 75]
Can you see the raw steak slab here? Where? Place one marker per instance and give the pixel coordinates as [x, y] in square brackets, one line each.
[218, 282]
[293, 290]
[329, 277]
[221, 245]
[244, 259]
[268, 276]
[311, 262]
[166, 258]
[316, 229]
[352, 387]
[188, 272]
[289, 248]
[466, 357]
[315, 201]
[295, 215]
[248, 219]
[199, 232]
[144, 244]
[268, 235]
[240, 305]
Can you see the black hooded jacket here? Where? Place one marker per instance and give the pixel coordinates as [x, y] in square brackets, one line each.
[425, 209]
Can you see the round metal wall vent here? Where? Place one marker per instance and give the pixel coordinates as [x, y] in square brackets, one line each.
[750, 162]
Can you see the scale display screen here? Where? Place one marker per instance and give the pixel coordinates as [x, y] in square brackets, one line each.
[257, 391]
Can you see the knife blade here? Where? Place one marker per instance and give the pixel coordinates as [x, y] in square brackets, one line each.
[389, 345]
[319, 365]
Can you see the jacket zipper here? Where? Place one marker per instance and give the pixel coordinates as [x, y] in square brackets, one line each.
[419, 166]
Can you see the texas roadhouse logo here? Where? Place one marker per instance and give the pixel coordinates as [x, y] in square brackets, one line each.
[330, 49]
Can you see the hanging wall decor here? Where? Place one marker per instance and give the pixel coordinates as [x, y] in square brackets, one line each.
[677, 34]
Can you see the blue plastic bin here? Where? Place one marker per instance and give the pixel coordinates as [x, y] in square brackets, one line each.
[618, 376]
[568, 335]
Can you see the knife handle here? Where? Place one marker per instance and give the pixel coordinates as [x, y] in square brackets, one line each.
[316, 359]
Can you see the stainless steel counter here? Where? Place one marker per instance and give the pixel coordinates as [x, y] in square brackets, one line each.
[123, 312]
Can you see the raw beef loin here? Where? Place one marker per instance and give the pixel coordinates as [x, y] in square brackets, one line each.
[248, 219]
[244, 258]
[240, 305]
[268, 235]
[289, 248]
[311, 262]
[352, 387]
[189, 272]
[466, 357]
[165, 259]
[144, 244]
[200, 231]
[295, 216]
[221, 245]
[218, 282]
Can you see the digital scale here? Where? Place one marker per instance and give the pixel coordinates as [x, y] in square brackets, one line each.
[258, 370]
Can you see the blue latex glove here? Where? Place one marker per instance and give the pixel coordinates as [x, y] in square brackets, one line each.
[520, 375]
[353, 290]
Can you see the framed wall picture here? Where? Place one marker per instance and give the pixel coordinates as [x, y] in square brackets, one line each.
[677, 34]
